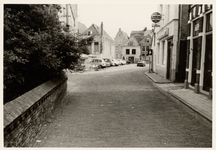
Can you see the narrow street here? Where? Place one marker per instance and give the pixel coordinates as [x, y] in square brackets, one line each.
[120, 107]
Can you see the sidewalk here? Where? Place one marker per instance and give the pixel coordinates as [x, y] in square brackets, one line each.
[198, 102]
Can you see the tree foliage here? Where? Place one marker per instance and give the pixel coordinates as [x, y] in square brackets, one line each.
[35, 47]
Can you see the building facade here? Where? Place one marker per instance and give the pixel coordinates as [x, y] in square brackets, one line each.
[168, 58]
[103, 45]
[120, 39]
[131, 50]
[145, 45]
[199, 48]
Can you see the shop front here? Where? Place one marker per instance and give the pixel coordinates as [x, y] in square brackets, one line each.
[199, 50]
[166, 51]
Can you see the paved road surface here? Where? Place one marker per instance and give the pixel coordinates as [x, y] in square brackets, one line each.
[120, 107]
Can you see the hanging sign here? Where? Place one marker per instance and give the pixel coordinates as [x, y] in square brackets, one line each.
[156, 17]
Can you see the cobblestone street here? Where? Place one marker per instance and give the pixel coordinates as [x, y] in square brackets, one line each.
[121, 108]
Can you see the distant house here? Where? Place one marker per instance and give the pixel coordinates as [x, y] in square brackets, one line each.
[137, 45]
[131, 50]
[120, 39]
[145, 44]
[103, 45]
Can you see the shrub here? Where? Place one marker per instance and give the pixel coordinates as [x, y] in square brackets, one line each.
[35, 47]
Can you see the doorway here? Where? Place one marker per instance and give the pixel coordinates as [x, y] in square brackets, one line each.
[194, 61]
[131, 59]
[169, 60]
[207, 82]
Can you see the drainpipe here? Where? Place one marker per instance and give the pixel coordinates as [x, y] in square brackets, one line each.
[101, 38]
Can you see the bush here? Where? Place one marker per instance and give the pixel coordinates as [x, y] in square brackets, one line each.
[35, 47]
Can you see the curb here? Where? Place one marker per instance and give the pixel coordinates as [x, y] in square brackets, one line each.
[191, 106]
[158, 82]
[209, 119]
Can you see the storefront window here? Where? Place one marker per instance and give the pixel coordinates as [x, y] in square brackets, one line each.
[209, 22]
[195, 11]
[197, 26]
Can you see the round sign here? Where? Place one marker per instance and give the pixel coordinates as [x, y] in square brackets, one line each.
[156, 17]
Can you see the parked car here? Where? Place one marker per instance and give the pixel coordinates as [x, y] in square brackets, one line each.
[141, 63]
[108, 62]
[124, 62]
[98, 61]
[120, 61]
[115, 62]
[128, 62]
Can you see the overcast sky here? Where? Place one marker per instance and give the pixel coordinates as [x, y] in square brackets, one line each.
[128, 17]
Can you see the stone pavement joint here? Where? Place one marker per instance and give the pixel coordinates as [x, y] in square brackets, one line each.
[198, 102]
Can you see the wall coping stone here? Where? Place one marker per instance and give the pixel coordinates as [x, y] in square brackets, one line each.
[19, 105]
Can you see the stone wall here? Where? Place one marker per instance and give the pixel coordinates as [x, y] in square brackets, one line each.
[25, 115]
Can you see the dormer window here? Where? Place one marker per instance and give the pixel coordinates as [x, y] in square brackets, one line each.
[89, 33]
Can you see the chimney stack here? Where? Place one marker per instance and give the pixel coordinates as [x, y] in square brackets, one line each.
[101, 28]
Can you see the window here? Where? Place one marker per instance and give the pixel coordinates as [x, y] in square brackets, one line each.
[143, 48]
[89, 32]
[195, 11]
[96, 46]
[147, 40]
[196, 27]
[127, 51]
[133, 51]
[209, 22]
[147, 47]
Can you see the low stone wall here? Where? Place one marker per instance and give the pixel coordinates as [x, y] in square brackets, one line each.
[25, 115]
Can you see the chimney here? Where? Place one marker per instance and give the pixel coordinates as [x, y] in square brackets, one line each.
[101, 28]
[120, 29]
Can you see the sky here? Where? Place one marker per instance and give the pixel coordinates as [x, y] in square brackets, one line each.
[128, 17]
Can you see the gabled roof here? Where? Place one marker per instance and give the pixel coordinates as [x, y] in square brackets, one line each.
[132, 40]
[150, 32]
[81, 27]
[124, 34]
[98, 29]
[141, 33]
[138, 37]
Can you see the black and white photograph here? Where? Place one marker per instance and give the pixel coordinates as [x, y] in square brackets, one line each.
[107, 74]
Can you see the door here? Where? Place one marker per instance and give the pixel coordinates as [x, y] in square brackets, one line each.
[207, 83]
[194, 61]
[131, 59]
[169, 60]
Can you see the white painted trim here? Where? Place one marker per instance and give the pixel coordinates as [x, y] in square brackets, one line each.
[187, 69]
[198, 71]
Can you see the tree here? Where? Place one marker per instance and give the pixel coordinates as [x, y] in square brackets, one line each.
[35, 47]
